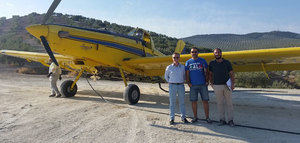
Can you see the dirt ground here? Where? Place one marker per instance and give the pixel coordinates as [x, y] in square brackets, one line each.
[27, 114]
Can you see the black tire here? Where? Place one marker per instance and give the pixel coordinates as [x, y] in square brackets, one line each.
[132, 94]
[65, 88]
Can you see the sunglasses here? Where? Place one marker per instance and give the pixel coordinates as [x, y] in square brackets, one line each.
[194, 52]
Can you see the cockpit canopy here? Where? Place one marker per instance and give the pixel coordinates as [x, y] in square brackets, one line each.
[143, 35]
[137, 32]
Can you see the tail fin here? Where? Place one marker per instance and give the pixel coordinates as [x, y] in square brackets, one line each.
[180, 46]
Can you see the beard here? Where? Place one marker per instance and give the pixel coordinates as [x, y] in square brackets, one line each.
[218, 57]
[195, 56]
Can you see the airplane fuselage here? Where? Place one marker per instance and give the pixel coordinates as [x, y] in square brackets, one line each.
[94, 47]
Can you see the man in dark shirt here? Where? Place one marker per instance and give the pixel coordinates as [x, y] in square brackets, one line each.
[221, 77]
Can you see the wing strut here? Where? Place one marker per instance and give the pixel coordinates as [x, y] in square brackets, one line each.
[264, 70]
[77, 78]
[123, 76]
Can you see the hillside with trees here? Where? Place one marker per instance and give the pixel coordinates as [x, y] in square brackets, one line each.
[234, 42]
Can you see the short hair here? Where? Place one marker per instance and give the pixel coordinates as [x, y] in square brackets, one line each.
[195, 48]
[218, 49]
[175, 53]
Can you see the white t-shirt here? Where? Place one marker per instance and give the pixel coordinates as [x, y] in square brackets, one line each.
[54, 69]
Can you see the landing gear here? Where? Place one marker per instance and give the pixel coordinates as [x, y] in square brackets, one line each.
[66, 89]
[69, 88]
[132, 94]
[132, 91]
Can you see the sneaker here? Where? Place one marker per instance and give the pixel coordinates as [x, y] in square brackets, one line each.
[58, 95]
[171, 122]
[185, 120]
[230, 123]
[208, 120]
[52, 95]
[222, 122]
[194, 120]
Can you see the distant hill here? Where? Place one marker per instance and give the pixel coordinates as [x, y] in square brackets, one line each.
[234, 42]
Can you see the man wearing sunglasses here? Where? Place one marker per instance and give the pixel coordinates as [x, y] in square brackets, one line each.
[175, 76]
[197, 79]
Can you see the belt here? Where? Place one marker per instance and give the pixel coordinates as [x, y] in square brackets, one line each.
[177, 83]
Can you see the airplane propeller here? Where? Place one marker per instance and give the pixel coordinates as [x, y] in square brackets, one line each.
[48, 50]
[50, 11]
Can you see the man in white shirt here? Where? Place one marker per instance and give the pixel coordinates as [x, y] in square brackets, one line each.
[175, 76]
[54, 75]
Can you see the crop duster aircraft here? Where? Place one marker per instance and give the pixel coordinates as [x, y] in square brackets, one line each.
[82, 49]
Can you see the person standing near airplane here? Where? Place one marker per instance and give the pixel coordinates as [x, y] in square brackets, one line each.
[54, 75]
[197, 79]
[175, 76]
[222, 80]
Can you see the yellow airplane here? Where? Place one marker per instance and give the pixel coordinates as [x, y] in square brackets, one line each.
[82, 49]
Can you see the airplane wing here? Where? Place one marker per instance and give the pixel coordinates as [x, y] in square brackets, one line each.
[68, 63]
[242, 61]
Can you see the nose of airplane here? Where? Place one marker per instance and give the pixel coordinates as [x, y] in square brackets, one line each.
[38, 30]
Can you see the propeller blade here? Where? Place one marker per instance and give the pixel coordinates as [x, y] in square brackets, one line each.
[48, 50]
[50, 10]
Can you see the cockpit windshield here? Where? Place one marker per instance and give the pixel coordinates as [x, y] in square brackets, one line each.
[138, 33]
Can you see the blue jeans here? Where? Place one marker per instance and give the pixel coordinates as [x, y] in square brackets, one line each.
[196, 89]
[175, 89]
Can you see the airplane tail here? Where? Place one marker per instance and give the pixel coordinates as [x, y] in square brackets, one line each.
[179, 47]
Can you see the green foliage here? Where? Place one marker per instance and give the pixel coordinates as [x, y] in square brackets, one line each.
[251, 80]
[11, 41]
[2, 20]
[3, 59]
[280, 84]
[233, 42]
[297, 79]
[294, 76]
[12, 60]
[259, 80]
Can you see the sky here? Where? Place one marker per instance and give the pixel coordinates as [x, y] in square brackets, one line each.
[176, 18]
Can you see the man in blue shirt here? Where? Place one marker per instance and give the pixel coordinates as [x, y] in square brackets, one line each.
[197, 79]
[175, 76]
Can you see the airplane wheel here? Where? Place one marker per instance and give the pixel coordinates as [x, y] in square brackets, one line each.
[65, 88]
[132, 94]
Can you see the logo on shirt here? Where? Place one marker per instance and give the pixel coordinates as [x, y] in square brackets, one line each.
[196, 66]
